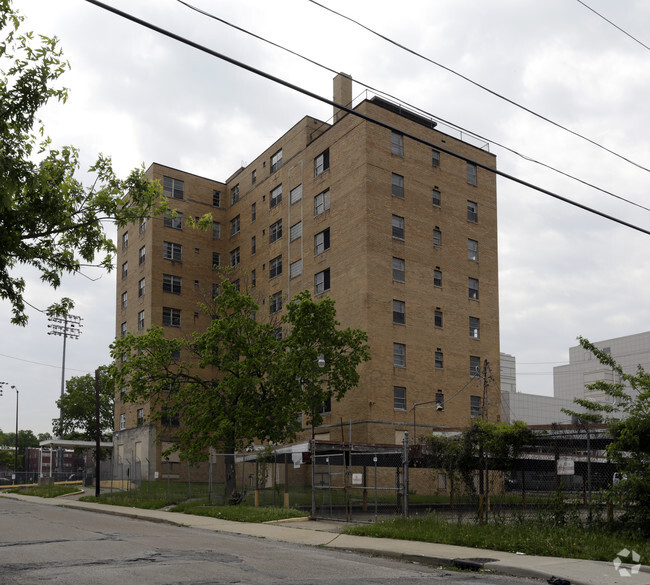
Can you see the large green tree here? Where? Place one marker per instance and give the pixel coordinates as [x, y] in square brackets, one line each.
[78, 408]
[48, 219]
[239, 380]
[628, 414]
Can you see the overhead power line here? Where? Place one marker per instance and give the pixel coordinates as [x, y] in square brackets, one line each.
[357, 114]
[384, 93]
[483, 87]
[614, 25]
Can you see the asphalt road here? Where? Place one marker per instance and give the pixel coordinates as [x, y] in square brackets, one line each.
[41, 543]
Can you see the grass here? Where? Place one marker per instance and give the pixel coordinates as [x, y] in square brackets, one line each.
[45, 491]
[241, 513]
[531, 538]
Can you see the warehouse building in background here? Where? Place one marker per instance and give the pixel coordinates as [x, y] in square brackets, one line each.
[401, 234]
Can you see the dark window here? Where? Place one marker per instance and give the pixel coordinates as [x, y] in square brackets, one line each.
[437, 198]
[472, 250]
[275, 302]
[399, 312]
[275, 267]
[216, 230]
[322, 242]
[473, 288]
[472, 211]
[437, 318]
[322, 162]
[173, 219]
[399, 271]
[398, 227]
[275, 231]
[171, 317]
[474, 406]
[234, 226]
[399, 355]
[397, 144]
[435, 158]
[321, 203]
[234, 257]
[234, 194]
[216, 260]
[141, 287]
[276, 161]
[173, 188]
[172, 251]
[398, 185]
[172, 284]
[471, 173]
[474, 366]
[474, 324]
[399, 397]
[437, 237]
[276, 196]
[437, 277]
[141, 255]
[438, 360]
[322, 281]
[216, 198]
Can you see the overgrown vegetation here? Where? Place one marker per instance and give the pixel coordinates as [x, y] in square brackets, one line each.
[530, 537]
[46, 491]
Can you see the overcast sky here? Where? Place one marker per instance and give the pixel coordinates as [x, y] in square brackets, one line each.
[142, 98]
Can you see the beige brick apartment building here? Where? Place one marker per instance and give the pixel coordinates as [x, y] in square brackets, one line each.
[402, 235]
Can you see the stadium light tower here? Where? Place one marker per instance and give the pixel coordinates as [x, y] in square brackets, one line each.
[65, 326]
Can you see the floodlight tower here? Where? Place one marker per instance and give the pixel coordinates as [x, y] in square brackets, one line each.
[66, 326]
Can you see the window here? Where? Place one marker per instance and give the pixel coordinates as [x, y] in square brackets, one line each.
[171, 317]
[216, 230]
[322, 242]
[236, 286]
[253, 278]
[173, 188]
[295, 269]
[474, 366]
[234, 226]
[438, 360]
[124, 300]
[123, 329]
[141, 255]
[125, 270]
[398, 269]
[234, 194]
[399, 312]
[234, 257]
[437, 318]
[172, 251]
[275, 231]
[276, 161]
[295, 194]
[437, 236]
[125, 240]
[172, 284]
[122, 422]
[326, 406]
[295, 232]
[275, 302]
[472, 211]
[143, 226]
[216, 290]
[276, 196]
[322, 163]
[216, 198]
[437, 198]
[216, 260]
[474, 406]
[397, 144]
[322, 281]
[440, 399]
[321, 202]
[253, 245]
[277, 333]
[437, 277]
[141, 287]
[275, 267]
[173, 219]
[474, 323]
[175, 354]
[140, 320]
[471, 173]
[398, 227]
[169, 418]
[398, 185]
[473, 288]
[399, 398]
[140, 416]
[253, 212]
[399, 355]
[472, 250]
[435, 158]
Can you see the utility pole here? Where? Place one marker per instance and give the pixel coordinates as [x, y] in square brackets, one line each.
[66, 326]
[98, 436]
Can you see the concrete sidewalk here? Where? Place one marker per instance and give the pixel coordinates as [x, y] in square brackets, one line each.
[327, 534]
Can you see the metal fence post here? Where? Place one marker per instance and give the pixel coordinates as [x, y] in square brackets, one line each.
[405, 474]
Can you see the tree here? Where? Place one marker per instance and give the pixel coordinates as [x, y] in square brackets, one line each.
[48, 219]
[78, 408]
[240, 382]
[628, 416]
[26, 438]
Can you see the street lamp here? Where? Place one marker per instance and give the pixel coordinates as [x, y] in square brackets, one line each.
[321, 365]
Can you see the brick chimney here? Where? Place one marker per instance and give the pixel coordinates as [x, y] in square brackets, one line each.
[342, 94]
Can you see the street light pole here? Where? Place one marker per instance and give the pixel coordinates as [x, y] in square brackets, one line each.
[16, 443]
[321, 365]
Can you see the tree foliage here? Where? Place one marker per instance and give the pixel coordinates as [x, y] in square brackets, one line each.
[238, 381]
[48, 219]
[628, 415]
[78, 408]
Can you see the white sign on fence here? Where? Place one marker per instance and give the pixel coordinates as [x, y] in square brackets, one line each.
[565, 466]
[357, 478]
